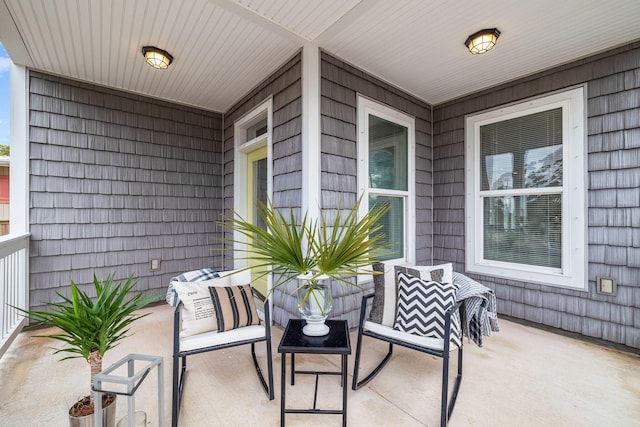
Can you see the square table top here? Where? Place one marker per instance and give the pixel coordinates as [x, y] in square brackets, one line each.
[335, 342]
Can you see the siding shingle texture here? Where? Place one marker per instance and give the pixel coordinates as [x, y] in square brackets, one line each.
[341, 84]
[117, 180]
[285, 86]
[613, 123]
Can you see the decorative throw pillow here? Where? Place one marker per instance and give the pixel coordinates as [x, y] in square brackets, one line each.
[442, 273]
[234, 307]
[190, 276]
[383, 310]
[198, 314]
[422, 306]
[377, 307]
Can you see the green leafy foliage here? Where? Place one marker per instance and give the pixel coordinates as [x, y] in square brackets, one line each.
[345, 247]
[92, 324]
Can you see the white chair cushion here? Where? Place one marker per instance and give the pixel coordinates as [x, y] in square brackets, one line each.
[425, 342]
[209, 339]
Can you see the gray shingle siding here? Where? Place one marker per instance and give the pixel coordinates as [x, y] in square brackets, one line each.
[116, 180]
[285, 87]
[340, 85]
[613, 126]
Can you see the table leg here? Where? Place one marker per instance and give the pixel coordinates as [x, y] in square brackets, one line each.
[283, 386]
[293, 369]
[344, 390]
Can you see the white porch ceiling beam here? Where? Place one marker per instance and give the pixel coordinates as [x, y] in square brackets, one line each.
[345, 21]
[257, 19]
[12, 40]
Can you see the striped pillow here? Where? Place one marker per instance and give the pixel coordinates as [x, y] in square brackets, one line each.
[234, 307]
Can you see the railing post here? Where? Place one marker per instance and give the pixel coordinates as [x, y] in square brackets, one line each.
[14, 286]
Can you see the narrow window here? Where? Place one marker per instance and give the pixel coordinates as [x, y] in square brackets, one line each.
[386, 172]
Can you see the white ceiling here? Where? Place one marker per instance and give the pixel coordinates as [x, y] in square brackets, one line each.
[223, 48]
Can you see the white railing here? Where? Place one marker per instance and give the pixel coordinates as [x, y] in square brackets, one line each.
[14, 286]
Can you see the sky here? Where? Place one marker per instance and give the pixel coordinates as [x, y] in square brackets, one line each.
[4, 96]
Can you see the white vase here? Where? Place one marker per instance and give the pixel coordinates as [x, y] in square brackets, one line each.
[315, 304]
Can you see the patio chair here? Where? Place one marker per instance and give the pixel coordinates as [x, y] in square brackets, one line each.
[425, 317]
[215, 314]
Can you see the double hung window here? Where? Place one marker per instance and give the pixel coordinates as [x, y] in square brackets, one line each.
[386, 172]
[525, 191]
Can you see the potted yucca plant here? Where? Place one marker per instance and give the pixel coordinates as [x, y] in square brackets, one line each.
[311, 251]
[89, 327]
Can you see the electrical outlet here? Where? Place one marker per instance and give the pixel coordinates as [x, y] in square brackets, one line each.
[606, 286]
[155, 264]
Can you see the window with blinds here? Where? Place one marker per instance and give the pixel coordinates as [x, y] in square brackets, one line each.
[518, 158]
[526, 191]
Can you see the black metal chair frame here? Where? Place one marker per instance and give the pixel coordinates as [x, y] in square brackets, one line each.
[447, 403]
[180, 358]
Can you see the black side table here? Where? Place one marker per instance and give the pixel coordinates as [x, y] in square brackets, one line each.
[335, 342]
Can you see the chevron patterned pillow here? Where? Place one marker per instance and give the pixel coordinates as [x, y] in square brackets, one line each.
[422, 305]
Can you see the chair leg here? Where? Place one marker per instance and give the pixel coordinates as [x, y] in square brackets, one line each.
[445, 391]
[178, 385]
[456, 385]
[174, 395]
[356, 385]
[270, 368]
[447, 404]
[268, 388]
[356, 366]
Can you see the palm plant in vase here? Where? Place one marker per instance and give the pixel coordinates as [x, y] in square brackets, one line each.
[311, 251]
[90, 327]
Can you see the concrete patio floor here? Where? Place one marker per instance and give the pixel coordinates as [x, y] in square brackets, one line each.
[522, 376]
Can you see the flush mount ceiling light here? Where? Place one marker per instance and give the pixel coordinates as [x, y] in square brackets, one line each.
[157, 58]
[482, 41]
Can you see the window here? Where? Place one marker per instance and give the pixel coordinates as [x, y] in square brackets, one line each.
[386, 172]
[525, 191]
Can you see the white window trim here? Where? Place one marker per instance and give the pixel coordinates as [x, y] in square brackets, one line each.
[366, 107]
[572, 273]
[241, 148]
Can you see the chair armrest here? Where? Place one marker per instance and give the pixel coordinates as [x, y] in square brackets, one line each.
[265, 306]
[367, 296]
[363, 308]
[460, 307]
[177, 320]
[258, 294]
